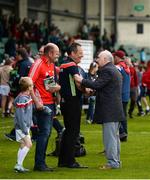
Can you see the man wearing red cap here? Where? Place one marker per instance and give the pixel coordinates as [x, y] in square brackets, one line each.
[119, 57]
[119, 54]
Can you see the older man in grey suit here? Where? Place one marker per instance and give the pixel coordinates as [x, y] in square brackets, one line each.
[108, 109]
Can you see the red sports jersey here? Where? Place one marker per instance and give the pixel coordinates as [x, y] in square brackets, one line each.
[38, 72]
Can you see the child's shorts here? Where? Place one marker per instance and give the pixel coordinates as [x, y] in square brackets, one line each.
[20, 135]
[4, 90]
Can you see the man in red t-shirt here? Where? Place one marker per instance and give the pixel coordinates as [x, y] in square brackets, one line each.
[45, 85]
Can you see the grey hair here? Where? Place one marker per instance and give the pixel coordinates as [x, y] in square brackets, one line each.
[108, 55]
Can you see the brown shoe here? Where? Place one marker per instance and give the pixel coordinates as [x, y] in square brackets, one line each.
[102, 152]
[105, 167]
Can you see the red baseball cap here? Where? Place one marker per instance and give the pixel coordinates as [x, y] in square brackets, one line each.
[119, 53]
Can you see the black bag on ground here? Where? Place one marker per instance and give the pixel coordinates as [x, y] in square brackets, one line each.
[57, 147]
[79, 148]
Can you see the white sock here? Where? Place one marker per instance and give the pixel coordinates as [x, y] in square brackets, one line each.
[147, 108]
[22, 154]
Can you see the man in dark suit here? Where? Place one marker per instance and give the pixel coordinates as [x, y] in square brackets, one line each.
[108, 109]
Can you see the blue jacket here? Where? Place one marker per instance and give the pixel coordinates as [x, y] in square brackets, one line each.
[23, 67]
[125, 84]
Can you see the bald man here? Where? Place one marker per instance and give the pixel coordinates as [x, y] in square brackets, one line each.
[42, 72]
[108, 108]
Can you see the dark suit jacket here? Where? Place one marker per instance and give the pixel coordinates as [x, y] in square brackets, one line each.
[108, 88]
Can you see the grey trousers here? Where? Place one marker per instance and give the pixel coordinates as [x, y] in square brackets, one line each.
[112, 143]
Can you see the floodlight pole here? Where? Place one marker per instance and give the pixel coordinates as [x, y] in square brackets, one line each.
[49, 13]
[84, 5]
[21, 9]
[101, 17]
[116, 19]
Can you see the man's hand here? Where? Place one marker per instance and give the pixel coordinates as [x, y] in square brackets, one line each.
[38, 104]
[89, 92]
[56, 88]
[78, 78]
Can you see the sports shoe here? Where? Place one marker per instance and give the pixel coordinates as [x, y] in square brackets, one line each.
[142, 113]
[88, 122]
[8, 112]
[130, 115]
[12, 115]
[147, 111]
[20, 169]
[10, 137]
[3, 115]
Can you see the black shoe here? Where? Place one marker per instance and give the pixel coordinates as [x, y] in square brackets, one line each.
[76, 165]
[130, 115]
[142, 113]
[62, 165]
[123, 139]
[10, 137]
[147, 111]
[45, 168]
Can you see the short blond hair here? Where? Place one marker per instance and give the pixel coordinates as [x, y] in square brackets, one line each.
[25, 83]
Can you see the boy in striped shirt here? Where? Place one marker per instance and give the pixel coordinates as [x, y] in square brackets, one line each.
[23, 121]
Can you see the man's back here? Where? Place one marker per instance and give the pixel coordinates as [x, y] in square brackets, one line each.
[108, 97]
